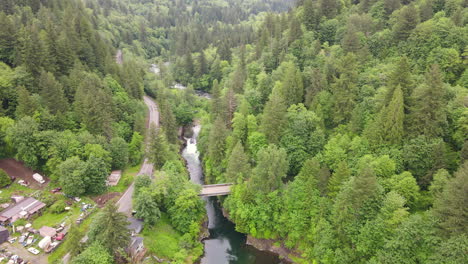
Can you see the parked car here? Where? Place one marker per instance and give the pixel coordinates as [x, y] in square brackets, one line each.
[60, 236]
[33, 250]
[56, 190]
[30, 240]
[23, 183]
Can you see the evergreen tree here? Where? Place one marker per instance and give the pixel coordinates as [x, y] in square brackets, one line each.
[428, 116]
[271, 168]
[7, 40]
[452, 206]
[401, 76]
[52, 93]
[119, 153]
[338, 178]
[159, 147]
[393, 115]
[109, 228]
[217, 139]
[292, 85]
[216, 103]
[344, 89]
[238, 165]
[407, 20]
[202, 64]
[274, 116]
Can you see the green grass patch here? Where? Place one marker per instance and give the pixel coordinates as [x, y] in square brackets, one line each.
[162, 239]
[127, 178]
[51, 219]
[14, 189]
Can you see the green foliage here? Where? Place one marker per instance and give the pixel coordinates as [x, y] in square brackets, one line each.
[451, 207]
[109, 228]
[187, 208]
[119, 153]
[4, 178]
[58, 207]
[146, 206]
[271, 168]
[93, 254]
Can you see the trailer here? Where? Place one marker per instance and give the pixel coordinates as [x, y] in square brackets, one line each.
[38, 178]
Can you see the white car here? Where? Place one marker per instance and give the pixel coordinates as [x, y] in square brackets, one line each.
[33, 250]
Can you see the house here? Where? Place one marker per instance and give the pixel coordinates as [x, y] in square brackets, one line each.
[136, 249]
[23, 209]
[47, 231]
[4, 234]
[135, 225]
[114, 178]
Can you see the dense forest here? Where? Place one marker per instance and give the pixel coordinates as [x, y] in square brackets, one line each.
[343, 124]
[344, 128]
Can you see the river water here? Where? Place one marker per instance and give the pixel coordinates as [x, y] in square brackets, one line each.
[225, 245]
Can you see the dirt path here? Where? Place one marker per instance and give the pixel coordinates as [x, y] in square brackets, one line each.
[23, 253]
[17, 169]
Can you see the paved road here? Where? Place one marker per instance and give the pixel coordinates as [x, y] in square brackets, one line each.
[125, 202]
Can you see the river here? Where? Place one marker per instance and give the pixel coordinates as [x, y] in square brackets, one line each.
[224, 245]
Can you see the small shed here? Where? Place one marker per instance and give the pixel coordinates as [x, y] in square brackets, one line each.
[17, 198]
[4, 234]
[47, 231]
[114, 178]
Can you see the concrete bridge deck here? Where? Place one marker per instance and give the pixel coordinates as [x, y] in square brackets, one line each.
[215, 190]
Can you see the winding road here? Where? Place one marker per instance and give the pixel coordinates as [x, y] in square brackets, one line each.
[125, 202]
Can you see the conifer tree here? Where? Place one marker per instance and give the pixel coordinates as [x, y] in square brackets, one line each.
[428, 111]
[401, 76]
[274, 116]
[338, 178]
[292, 85]
[272, 166]
[452, 206]
[344, 89]
[217, 139]
[393, 115]
[238, 164]
[159, 148]
[52, 93]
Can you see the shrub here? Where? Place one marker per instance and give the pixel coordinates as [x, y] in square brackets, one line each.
[4, 178]
[58, 207]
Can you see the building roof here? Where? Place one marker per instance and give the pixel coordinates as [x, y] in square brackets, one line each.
[114, 178]
[28, 205]
[135, 225]
[135, 243]
[47, 231]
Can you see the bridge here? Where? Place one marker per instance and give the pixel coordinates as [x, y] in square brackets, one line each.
[215, 189]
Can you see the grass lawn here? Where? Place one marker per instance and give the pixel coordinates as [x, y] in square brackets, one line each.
[126, 179]
[51, 219]
[162, 240]
[6, 193]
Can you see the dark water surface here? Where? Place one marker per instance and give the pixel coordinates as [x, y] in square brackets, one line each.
[225, 245]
